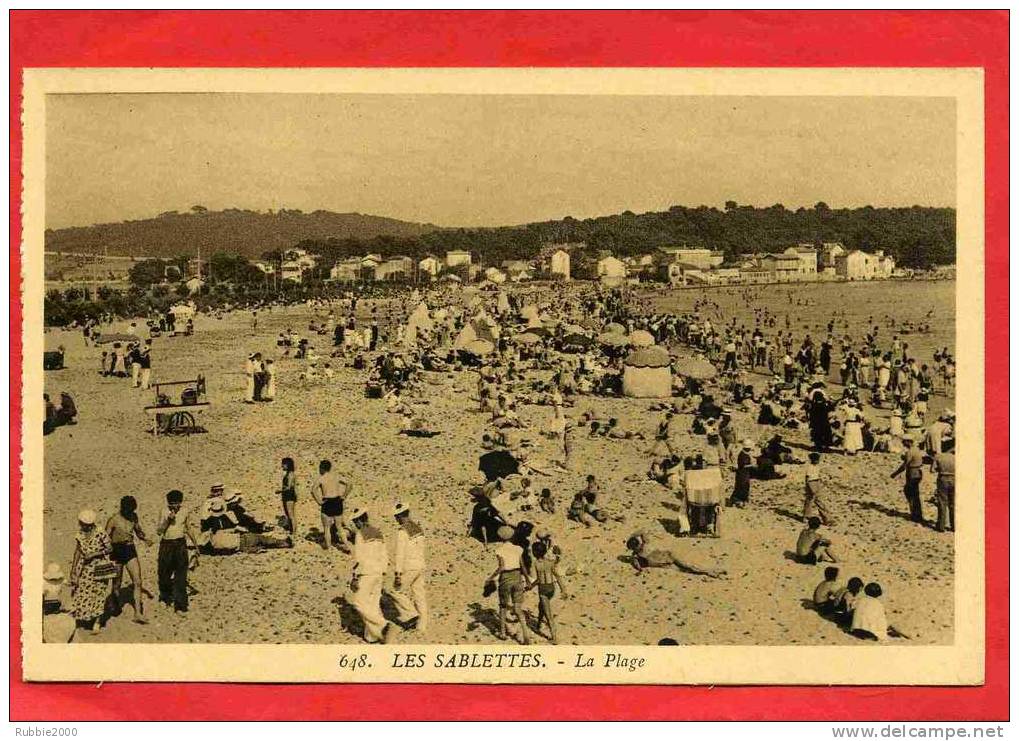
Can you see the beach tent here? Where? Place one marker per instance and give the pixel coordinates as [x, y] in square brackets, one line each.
[641, 338]
[467, 336]
[646, 373]
[529, 313]
[479, 347]
[613, 327]
[695, 367]
[613, 339]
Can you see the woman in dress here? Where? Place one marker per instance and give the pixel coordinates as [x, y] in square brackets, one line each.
[122, 529]
[91, 572]
[852, 434]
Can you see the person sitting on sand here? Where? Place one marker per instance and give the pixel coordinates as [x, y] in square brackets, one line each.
[235, 506]
[869, 619]
[845, 600]
[811, 546]
[226, 535]
[644, 556]
[485, 518]
[58, 625]
[826, 593]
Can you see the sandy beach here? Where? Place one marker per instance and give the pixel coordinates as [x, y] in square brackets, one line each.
[295, 596]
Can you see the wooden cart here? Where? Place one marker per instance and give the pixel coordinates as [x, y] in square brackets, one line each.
[178, 417]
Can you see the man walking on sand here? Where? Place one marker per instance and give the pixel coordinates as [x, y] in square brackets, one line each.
[371, 562]
[912, 465]
[409, 572]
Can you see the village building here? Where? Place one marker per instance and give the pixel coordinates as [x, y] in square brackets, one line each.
[292, 270]
[398, 268]
[785, 267]
[429, 266]
[301, 256]
[265, 266]
[830, 252]
[676, 272]
[457, 257]
[807, 257]
[517, 270]
[702, 258]
[611, 270]
[860, 265]
[559, 264]
[495, 275]
[346, 271]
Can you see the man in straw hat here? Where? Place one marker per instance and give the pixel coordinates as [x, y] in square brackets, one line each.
[512, 583]
[370, 564]
[912, 466]
[409, 571]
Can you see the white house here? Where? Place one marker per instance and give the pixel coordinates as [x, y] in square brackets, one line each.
[265, 266]
[611, 270]
[346, 271]
[830, 252]
[860, 265]
[457, 257]
[701, 258]
[807, 257]
[560, 265]
[430, 265]
[302, 257]
[292, 270]
[495, 275]
[395, 268]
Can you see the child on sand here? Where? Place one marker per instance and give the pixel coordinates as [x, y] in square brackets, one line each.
[546, 501]
[546, 576]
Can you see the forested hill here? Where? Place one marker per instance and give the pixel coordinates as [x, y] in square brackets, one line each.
[916, 237]
[247, 233]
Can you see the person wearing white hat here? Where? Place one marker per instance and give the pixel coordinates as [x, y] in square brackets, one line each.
[91, 571]
[371, 562]
[512, 583]
[249, 376]
[409, 593]
[57, 625]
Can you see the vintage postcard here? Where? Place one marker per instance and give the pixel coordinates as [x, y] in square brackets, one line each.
[594, 376]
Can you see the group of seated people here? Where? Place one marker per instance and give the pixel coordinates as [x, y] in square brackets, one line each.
[226, 527]
[854, 606]
[57, 416]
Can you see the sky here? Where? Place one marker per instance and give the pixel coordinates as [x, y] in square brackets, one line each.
[488, 160]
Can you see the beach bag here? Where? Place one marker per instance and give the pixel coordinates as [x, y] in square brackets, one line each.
[104, 570]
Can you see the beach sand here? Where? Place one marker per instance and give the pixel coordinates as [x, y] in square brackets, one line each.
[295, 596]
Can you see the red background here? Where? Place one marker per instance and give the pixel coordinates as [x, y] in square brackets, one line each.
[536, 39]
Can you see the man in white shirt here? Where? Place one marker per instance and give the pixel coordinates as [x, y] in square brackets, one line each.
[371, 563]
[409, 572]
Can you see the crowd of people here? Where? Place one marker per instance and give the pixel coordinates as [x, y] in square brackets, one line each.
[555, 350]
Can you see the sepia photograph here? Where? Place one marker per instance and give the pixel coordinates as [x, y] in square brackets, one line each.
[461, 375]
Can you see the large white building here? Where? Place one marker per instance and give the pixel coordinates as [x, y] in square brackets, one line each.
[457, 257]
[701, 258]
[611, 270]
[559, 265]
[860, 265]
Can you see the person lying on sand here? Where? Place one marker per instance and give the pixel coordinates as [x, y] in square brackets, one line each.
[644, 556]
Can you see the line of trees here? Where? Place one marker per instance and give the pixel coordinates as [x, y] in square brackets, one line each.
[917, 237]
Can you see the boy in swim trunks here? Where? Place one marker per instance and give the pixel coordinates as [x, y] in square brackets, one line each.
[546, 576]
